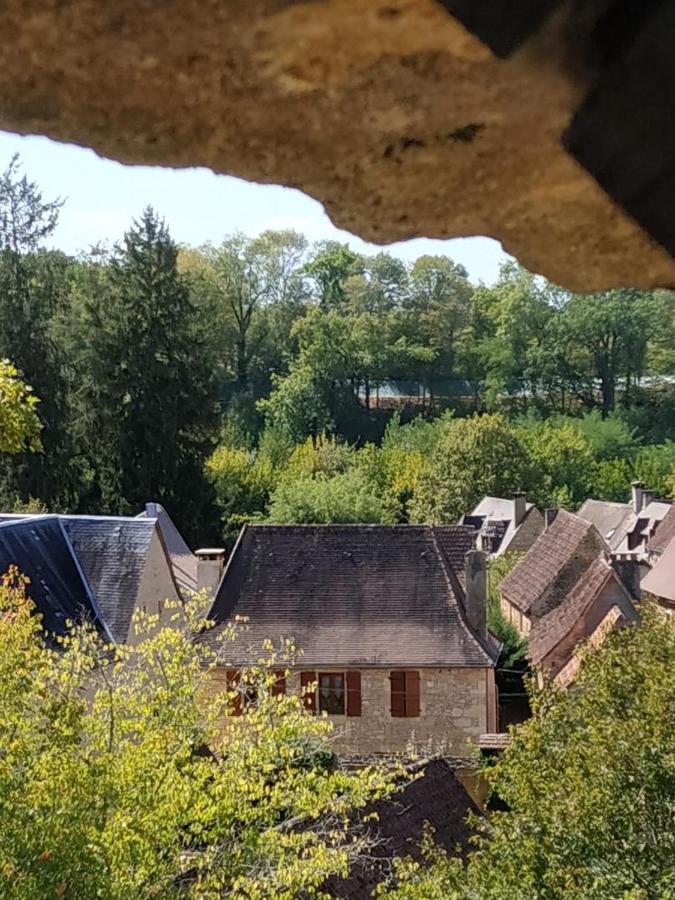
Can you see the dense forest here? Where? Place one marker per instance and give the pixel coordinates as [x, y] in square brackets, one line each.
[272, 379]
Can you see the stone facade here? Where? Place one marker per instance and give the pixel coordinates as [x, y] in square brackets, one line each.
[457, 705]
[528, 532]
[515, 617]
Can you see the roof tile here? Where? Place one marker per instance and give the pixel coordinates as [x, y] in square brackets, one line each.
[351, 595]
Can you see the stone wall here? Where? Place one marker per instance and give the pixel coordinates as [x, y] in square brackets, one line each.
[515, 617]
[527, 534]
[456, 706]
[157, 585]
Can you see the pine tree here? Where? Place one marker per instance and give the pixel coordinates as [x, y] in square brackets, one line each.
[33, 288]
[147, 410]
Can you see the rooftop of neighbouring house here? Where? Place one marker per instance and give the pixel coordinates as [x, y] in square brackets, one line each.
[664, 533]
[89, 567]
[547, 632]
[555, 560]
[496, 519]
[437, 797]
[183, 561]
[352, 595]
[626, 526]
[660, 581]
[40, 549]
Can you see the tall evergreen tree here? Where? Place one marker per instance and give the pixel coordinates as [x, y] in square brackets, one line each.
[145, 391]
[33, 288]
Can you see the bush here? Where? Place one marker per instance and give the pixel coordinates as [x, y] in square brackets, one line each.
[345, 498]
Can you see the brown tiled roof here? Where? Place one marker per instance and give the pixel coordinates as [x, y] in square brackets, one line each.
[553, 551]
[351, 595]
[665, 532]
[549, 631]
[437, 797]
[613, 618]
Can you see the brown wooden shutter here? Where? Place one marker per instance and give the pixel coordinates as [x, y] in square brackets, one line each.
[412, 694]
[397, 681]
[353, 693]
[232, 684]
[279, 686]
[309, 698]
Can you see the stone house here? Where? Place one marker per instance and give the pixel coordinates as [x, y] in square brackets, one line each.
[391, 623]
[627, 527]
[505, 525]
[563, 591]
[95, 568]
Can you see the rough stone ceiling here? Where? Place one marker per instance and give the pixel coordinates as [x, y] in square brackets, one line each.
[389, 112]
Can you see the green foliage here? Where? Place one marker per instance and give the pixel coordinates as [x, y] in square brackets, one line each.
[563, 459]
[655, 465]
[589, 783]
[474, 457]
[610, 438]
[108, 793]
[19, 423]
[242, 482]
[145, 399]
[514, 647]
[145, 357]
[343, 498]
[611, 480]
[321, 456]
[296, 407]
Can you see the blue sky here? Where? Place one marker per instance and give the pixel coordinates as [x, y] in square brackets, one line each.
[103, 196]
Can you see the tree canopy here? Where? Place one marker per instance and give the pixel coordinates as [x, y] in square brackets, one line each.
[124, 773]
[588, 783]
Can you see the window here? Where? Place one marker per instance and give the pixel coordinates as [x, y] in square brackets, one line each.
[405, 694]
[338, 692]
[332, 693]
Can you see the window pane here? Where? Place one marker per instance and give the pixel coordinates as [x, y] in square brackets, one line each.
[332, 693]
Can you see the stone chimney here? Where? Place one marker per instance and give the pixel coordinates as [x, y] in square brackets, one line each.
[627, 567]
[637, 490]
[475, 577]
[647, 497]
[519, 508]
[210, 564]
[550, 516]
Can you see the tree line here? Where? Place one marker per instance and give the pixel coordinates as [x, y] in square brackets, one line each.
[196, 376]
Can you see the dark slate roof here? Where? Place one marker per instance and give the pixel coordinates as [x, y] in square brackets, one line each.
[351, 595]
[437, 797]
[544, 562]
[112, 552]
[40, 549]
[665, 532]
[549, 631]
[183, 560]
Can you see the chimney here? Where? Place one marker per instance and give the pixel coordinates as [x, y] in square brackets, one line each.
[549, 516]
[151, 510]
[519, 508]
[475, 578]
[627, 567]
[647, 498]
[637, 490]
[210, 564]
